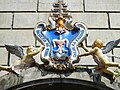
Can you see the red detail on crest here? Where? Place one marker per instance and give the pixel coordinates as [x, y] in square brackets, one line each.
[60, 42]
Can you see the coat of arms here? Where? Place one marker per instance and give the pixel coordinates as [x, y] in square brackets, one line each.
[59, 50]
[60, 38]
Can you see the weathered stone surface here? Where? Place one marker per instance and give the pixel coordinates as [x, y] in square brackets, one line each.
[102, 5]
[29, 20]
[114, 20]
[5, 20]
[18, 5]
[92, 20]
[79, 75]
[18, 37]
[30, 74]
[26, 75]
[4, 56]
[46, 5]
[114, 85]
[105, 35]
[9, 80]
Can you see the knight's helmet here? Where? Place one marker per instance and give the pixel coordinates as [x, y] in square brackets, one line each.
[60, 38]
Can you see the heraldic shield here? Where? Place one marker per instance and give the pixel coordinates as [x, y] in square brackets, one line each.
[61, 43]
[60, 39]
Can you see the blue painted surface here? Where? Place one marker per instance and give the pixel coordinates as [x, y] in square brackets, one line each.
[48, 36]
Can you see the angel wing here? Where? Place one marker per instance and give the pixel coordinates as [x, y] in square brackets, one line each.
[110, 45]
[15, 49]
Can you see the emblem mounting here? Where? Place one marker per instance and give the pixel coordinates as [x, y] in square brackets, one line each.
[60, 38]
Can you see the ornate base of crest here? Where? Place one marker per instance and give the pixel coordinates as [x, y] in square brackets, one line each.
[49, 80]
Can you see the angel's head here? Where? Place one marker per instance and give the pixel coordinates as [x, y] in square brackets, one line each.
[30, 50]
[97, 43]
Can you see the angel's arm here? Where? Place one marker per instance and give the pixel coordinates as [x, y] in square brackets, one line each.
[36, 51]
[84, 47]
[88, 53]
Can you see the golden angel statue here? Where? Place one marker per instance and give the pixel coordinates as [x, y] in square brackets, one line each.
[99, 56]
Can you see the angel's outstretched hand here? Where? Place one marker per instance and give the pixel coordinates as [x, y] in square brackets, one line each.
[78, 56]
[81, 44]
[42, 47]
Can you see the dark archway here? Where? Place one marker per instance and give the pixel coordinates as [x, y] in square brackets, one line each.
[60, 84]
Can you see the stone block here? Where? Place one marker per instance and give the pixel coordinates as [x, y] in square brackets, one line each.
[86, 60]
[114, 20]
[5, 20]
[92, 20]
[116, 52]
[4, 56]
[14, 60]
[102, 5]
[29, 20]
[37, 58]
[46, 5]
[18, 5]
[105, 35]
[74, 5]
[18, 37]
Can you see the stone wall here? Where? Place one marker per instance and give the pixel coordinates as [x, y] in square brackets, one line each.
[19, 17]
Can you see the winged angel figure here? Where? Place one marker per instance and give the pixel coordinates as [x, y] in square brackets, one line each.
[100, 57]
[27, 59]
